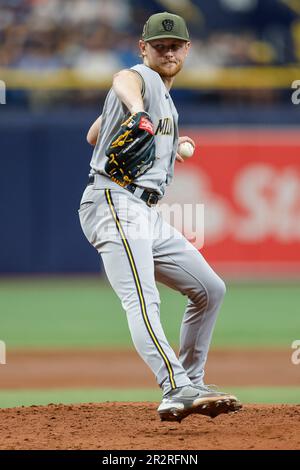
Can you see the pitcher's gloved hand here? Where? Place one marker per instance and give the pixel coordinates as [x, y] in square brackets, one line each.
[131, 151]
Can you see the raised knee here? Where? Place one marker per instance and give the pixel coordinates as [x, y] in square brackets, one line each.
[217, 290]
[211, 293]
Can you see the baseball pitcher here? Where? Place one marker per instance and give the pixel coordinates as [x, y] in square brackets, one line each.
[136, 141]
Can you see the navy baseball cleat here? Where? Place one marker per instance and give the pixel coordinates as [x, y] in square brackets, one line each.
[183, 401]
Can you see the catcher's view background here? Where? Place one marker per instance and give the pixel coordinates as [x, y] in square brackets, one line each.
[65, 332]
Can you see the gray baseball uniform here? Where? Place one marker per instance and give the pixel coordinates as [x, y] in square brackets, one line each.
[139, 248]
[158, 103]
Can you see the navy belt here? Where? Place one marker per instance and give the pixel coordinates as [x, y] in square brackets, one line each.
[151, 198]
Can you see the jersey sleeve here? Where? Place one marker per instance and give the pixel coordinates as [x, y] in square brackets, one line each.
[151, 83]
[142, 80]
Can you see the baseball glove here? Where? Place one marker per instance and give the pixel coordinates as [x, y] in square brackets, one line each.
[131, 151]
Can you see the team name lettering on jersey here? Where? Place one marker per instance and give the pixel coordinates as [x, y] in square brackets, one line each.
[165, 127]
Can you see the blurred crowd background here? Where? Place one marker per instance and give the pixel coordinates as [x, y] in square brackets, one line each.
[103, 34]
[94, 38]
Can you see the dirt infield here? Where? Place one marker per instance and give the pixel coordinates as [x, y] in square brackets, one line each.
[122, 369]
[136, 426]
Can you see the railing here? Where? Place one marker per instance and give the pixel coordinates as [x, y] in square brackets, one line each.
[206, 78]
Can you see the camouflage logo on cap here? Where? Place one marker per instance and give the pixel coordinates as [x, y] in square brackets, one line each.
[168, 25]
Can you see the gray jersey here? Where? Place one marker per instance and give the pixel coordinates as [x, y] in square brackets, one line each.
[159, 104]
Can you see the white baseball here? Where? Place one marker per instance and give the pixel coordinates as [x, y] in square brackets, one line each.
[186, 150]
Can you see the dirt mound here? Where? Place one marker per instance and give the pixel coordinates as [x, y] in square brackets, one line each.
[135, 426]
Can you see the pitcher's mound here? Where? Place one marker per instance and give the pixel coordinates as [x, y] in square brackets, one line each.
[110, 426]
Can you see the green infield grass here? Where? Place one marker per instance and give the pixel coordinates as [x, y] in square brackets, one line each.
[13, 398]
[85, 312]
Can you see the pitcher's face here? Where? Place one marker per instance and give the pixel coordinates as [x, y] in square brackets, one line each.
[165, 56]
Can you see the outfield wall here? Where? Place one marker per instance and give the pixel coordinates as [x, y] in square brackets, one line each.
[249, 180]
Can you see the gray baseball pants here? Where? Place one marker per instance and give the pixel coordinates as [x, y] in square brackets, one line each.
[139, 248]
